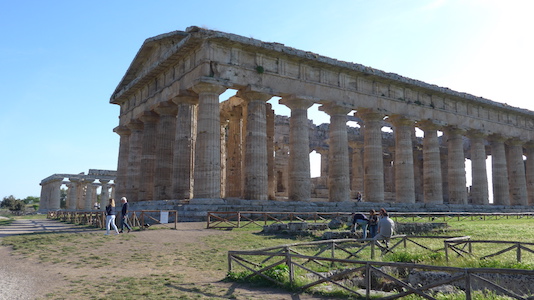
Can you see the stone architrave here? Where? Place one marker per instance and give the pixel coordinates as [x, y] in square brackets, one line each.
[338, 171]
[255, 170]
[456, 166]
[88, 201]
[207, 170]
[516, 171]
[479, 189]
[372, 155]
[403, 161]
[104, 194]
[148, 156]
[122, 164]
[184, 143]
[165, 135]
[530, 171]
[299, 187]
[501, 187]
[134, 160]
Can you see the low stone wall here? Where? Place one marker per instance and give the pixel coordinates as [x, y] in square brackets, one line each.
[196, 209]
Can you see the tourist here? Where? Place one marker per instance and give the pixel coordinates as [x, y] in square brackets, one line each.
[124, 215]
[386, 227]
[110, 216]
[373, 223]
[360, 219]
[358, 197]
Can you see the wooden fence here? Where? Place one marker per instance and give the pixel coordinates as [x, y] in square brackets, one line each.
[264, 262]
[98, 218]
[238, 219]
[463, 246]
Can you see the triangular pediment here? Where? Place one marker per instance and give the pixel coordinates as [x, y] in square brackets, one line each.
[150, 53]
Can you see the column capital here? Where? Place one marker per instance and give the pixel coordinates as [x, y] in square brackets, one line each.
[400, 120]
[208, 87]
[334, 109]
[529, 144]
[515, 141]
[367, 114]
[296, 102]
[476, 134]
[428, 125]
[496, 138]
[250, 94]
[122, 130]
[149, 117]
[166, 108]
[454, 130]
[186, 97]
[135, 125]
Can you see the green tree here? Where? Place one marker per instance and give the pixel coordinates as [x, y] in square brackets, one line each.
[31, 200]
[8, 202]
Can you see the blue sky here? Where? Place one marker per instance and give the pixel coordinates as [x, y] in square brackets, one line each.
[60, 61]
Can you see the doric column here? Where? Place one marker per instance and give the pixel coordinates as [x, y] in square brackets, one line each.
[456, 166]
[516, 173]
[44, 197]
[112, 194]
[134, 161]
[165, 134]
[148, 156]
[255, 171]
[530, 171]
[299, 185]
[324, 161]
[184, 143]
[357, 166]
[271, 165]
[234, 148]
[404, 169]
[207, 170]
[122, 165]
[372, 155]
[501, 188]
[54, 202]
[479, 188]
[73, 193]
[104, 194]
[94, 194]
[338, 158]
[88, 203]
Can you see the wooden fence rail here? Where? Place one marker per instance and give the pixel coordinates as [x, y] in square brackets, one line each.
[238, 219]
[98, 218]
[263, 261]
[459, 245]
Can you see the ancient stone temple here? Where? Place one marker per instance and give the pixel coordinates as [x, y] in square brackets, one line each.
[179, 140]
[82, 190]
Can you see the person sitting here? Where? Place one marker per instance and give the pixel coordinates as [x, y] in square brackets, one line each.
[386, 227]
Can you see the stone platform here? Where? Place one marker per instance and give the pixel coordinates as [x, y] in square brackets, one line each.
[196, 210]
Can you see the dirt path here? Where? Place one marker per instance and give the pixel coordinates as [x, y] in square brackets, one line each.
[27, 278]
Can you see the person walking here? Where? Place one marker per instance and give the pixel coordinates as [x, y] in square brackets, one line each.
[124, 215]
[360, 219]
[373, 223]
[110, 216]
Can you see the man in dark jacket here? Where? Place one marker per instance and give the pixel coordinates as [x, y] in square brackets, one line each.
[124, 212]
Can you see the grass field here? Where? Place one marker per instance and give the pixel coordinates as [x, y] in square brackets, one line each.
[157, 267]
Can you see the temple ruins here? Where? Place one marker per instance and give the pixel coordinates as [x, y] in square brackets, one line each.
[82, 190]
[178, 140]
